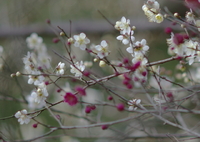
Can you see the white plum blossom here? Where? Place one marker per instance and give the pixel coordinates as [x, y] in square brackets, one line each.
[41, 48]
[140, 58]
[22, 117]
[126, 38]
[153, 4]
[36, 79]
[189, 17]
[159, 18]
[33, 41]
[78, 69]
[182, 46]
[44, 60]
[30, 62]
[177, 44]
[81, 41]
[34, 105]
[191, 49]
[102, 50]
[133, 104]
[93, 49]
[123, 26]
[40, 94]
[60, 68]
[139, 47]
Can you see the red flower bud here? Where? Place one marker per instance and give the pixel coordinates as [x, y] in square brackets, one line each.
[120, 107]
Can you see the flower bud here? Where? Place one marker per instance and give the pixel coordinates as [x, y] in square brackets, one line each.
[176, 15]
[120, 107]
[168, 30]
[56, 40]
[133, 28]
[62, 34]
[35, 125]
[96, 59]
[70, 41]
[104, 127]
[110, 98]
[102, 63]
[12, 75]
[88, 109]
[48, 21]
[18, 73]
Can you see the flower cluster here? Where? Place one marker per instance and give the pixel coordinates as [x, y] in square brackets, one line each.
[36, 62]
[152, 10]
[181, 45]
[137, 49]
[37, 59]
[81, 41]
[133, 70]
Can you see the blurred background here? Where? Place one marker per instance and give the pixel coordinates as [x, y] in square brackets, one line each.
[18, 19]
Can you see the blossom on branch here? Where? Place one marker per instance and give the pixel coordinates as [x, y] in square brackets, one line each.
[41, 94]
[60, 68]
[177, 43]
[123, 26]
[152, 11]
[22, 117]
[77, 69]
[139, 47]
[34, 105]
[133, 104]
[126, 38]
[29, 62]
[36, 79]
[102, 50]
[81, 41]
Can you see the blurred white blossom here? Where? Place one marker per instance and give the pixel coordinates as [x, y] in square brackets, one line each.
[78, 69]
[33, 41]
[40, 94]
